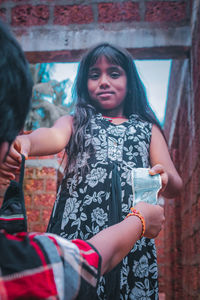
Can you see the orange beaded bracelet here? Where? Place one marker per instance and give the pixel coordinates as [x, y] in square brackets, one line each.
[136, 213]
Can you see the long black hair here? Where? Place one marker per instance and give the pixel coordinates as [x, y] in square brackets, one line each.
[135, 103]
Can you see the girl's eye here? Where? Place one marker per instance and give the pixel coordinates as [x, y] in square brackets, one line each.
[93, 75]
[115, 75]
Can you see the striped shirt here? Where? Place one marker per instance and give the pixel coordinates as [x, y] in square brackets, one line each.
[46, 266]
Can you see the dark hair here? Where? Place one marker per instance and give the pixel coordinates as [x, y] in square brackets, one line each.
[15, 86]
[135, 103]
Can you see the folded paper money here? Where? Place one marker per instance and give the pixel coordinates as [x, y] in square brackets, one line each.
[145, 186]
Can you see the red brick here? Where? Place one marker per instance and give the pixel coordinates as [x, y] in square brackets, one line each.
[195, 53]
[45, 172]
[28, 201]
[51, 185]
[160, 11]
[197, 242]
[197, 89]
[194, 186]
[33, 185]
[29, 172]
[38, 227]
[160, 251]
[44, 200]
[159, 243]
[42, 157]
[118, 12]
[33, 215]
[73, 14]
[195, 279]
[46, 216]
[28, 15]
[198, 206]
[161, 260]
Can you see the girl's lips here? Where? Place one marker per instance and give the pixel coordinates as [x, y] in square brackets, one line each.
[105, 94]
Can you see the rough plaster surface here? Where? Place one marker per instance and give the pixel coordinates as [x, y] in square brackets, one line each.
[58, 39]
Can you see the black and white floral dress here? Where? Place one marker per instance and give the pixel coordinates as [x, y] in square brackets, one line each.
[103, 196]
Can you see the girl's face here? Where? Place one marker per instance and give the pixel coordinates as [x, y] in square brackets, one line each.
[107, 87]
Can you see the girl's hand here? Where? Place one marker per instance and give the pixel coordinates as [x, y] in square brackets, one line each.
[159, 169]
[11, 166]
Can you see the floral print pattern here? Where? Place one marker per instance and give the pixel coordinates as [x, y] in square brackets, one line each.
[82, 205]
[99, 216]
[95, 176]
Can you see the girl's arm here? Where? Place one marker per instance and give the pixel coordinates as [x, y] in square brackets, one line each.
[43, 141]
[161, 163]
[47, 141]
[115, 242]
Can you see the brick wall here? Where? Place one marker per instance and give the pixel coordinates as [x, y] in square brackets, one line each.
[40, 191]
[46, 12]
[41, 181]
[159, 241]
[182, 230]
[77, 25]
[42, 176]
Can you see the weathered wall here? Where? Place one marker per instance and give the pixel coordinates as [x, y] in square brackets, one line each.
[41, 180]
[182, 229]
[40, 186]
[61, 32]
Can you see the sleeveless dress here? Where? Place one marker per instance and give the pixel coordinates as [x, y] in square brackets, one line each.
[103, 196]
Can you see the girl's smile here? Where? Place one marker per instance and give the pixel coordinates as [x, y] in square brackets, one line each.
[107, 87]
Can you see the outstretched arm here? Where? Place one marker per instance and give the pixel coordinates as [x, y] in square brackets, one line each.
[115, 242]
[43, 141]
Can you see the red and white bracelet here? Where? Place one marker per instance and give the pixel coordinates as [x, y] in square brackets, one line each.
[136, 213]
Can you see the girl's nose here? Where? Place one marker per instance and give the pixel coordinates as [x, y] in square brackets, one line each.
[103, 83]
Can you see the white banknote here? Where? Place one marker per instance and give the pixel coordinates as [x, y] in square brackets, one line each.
[145, 186]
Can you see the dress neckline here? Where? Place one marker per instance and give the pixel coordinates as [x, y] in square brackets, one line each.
[107, 119]
[114, 119]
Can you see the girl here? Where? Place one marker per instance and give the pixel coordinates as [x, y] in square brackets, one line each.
[112, 131]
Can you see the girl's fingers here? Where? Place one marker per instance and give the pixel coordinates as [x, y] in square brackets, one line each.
[157, 169]
[164, 180]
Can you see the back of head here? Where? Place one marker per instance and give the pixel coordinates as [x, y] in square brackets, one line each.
[15, 86]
